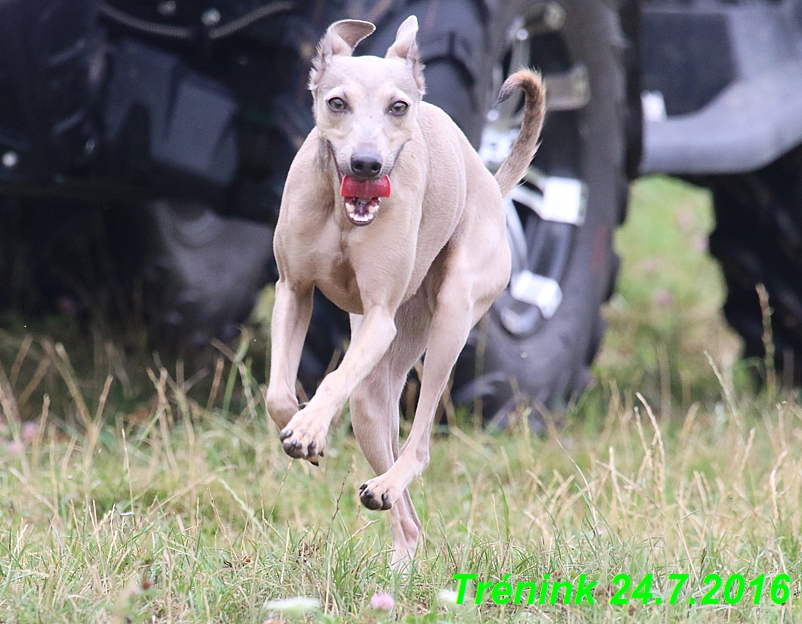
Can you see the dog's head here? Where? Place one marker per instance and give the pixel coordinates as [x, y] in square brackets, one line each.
[366, 107]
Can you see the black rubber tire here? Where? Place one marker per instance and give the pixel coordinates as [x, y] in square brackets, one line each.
[203, 272]
[758, 240]
[552, 365]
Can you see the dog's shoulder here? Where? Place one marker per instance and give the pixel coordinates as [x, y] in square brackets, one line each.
[439, 130]
[434, 117]
[446, 144]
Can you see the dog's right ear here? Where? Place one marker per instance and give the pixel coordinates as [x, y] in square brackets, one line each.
[340, 40]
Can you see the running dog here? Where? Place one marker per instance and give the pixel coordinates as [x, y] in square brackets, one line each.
[389, 211]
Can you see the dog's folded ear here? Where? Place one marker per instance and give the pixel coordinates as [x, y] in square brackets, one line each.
[340, 40]
[405, 48]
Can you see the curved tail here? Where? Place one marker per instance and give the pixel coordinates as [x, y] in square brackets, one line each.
[523, 149]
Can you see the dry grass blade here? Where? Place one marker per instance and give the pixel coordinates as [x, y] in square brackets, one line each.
[36, 380]
[768, 343]
[8, 402]
[58, 355]
[25, 347]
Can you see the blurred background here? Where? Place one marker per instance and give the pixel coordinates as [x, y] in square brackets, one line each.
[144, 144]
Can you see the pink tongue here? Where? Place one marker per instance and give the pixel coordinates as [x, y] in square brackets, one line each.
[365, 189]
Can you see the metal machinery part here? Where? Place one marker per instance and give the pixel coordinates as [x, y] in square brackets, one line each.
[723, 109]
[147, 115]
[721, 83]
[52, 70]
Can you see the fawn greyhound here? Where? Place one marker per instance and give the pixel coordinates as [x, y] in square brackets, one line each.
[389, 211]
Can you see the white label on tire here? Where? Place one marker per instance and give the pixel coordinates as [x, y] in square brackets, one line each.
[563, 200]
[536, 290]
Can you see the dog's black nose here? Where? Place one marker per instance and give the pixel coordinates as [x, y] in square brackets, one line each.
[366, 165]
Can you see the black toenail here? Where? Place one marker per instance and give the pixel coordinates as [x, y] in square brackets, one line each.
[362, 487]
[314, 463]
[285, 434]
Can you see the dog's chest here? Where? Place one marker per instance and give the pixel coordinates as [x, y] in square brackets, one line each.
[336, 279]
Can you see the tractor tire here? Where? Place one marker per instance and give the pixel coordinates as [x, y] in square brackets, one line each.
[203, 272]
[521, 355]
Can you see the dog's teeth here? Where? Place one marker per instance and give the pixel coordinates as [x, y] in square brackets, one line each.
[361, 211]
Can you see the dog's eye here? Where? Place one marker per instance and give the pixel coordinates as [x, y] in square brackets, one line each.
[336, 104]
[399, 108]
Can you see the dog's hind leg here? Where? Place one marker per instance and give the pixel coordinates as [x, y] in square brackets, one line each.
[464, 295]
[375, 417]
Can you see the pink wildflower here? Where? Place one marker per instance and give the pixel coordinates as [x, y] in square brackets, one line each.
[382, 601]
[29, 430]
[15, 448]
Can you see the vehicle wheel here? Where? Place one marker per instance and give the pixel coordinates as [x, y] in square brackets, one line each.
[758, 240]
[203, 271]
[536, 345]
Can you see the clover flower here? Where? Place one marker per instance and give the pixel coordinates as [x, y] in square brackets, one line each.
[382, 601]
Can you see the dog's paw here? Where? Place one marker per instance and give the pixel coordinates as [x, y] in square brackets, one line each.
[374, 497]
[301, 443]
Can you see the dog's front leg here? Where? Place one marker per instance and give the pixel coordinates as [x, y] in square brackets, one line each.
[305, 435]
[291, 314]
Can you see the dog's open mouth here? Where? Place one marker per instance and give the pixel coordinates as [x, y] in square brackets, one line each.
[362, 198]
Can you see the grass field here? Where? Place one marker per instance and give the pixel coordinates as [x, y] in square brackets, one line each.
[130, 492]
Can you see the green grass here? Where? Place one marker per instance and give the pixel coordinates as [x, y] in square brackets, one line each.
[664, 319]
[154, 497]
